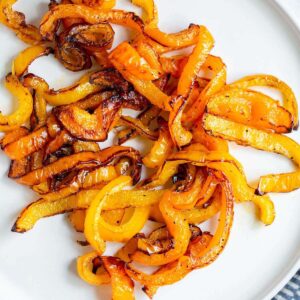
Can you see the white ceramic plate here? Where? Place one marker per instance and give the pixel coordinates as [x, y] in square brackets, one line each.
[252, 36]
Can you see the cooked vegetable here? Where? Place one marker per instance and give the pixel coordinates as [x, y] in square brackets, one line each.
[187, 115]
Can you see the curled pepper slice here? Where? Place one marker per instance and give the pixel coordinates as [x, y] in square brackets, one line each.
[289, 99]
[122, 285]
[179, 229]
[93, 215]
[85, 270]
[23, 112]
[21, 63]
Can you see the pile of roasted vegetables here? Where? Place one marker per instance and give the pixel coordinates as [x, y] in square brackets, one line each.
[186, 108]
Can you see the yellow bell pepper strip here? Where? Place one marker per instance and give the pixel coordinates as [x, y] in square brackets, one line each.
[197, 108]
[194, 258]
[91, 15]
[207, 190]
[264, 141]
[77, 218]
[187, 199]
[125, 231]
[150, 12]
[289, 99]
[16, 21]
[28, 144]
[179, 229]
[138, 126]
[161, 148]
[21, 63]
[129, 248]
[197, 158]
[199, 215]
[45, 208]
[85, 270]
[103, 4]
[83, 160]
[250, 108]
[73, 93]
[93, 215]
[23, 112]
[122, 285]
[243, 192]
[210, 142]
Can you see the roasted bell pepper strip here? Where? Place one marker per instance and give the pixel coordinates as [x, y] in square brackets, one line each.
[81, 161]
[197, 158]
[243, 192]
[264, 141]
[90, 15]
[181, 39]
[178, 228]
[150, 11]
[16, 21]
[129, 248]
[196, 60]
[77, 218]
[207, 190]
[27, 144]
[145, 87]
[289, 99]
[73, 93]
[250, 108]
[81, 146]
[21, 63]
[133, 62]
[210, 142]
[23, 112]
[93, 215]
[138, 126]
[126, 230]
[197, 108]
[160, 149]
[187, 199]
[83, 180]
[13, 136]
[122, 285]
[193, 259]
[85, 270]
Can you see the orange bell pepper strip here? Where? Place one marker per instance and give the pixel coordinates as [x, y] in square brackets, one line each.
[91, 15]
[194, 258]
[85, 270]
[178, 228]
[207, 190]
[289, 99]
[77, 218]
[264, 141]
[13, 136]
[21, 63]
[28, 144]
[250, 108]
[122, 285]
[195, 61]
[133, 62]
[197, 108]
